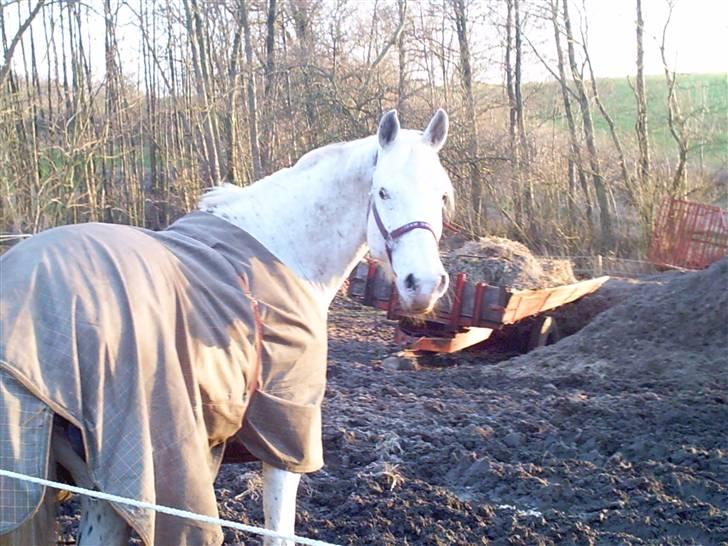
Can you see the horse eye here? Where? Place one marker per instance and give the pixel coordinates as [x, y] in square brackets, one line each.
[383, 193]
[444, 199]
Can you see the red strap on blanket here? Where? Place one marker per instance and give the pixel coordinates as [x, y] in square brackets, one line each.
[235, 452]
[255, 376]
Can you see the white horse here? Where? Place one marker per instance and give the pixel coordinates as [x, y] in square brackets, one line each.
[384, 194]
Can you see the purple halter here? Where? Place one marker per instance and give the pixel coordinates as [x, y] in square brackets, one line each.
[389, 237]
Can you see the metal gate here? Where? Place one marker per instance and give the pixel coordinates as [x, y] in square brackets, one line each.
[689, 235]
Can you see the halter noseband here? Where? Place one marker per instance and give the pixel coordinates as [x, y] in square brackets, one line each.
[389, 237]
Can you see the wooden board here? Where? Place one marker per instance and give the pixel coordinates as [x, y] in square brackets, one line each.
[527, 303]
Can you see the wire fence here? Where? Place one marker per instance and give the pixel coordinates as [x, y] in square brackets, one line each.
[165, 509]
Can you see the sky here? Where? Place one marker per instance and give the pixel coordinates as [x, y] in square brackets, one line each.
[697, 39]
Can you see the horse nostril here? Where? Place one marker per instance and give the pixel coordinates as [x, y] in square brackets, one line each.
[410, 282]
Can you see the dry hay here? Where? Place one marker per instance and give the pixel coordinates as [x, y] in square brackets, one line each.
[502, 262]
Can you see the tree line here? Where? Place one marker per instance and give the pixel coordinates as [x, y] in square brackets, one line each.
[232, 90]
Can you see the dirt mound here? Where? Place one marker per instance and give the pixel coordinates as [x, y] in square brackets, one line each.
[502, 262]
[673, 329]
[573, 317]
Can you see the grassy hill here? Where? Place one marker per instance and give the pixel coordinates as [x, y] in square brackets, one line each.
[703, 100]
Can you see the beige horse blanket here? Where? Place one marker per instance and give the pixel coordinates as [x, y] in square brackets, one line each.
[158, 346]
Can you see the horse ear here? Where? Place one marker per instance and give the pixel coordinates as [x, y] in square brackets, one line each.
[388, 128]
[436, 132]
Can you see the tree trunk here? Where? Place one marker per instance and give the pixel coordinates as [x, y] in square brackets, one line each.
[306, 45]
[251, 92]
[266, 143]
[476, 189]
[675, 120]
[524, 155]
[10, 49]
[605, 217]
[512, 116]
[402, 61]
[204, 86]
[634, 191]
[643, 171]
[575, 164]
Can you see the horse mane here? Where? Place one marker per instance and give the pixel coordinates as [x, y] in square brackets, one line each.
[309, 159]
[219, 196]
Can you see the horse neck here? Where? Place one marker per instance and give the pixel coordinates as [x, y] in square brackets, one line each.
[312, 216]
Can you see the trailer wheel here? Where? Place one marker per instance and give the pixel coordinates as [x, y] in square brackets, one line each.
[544, 332]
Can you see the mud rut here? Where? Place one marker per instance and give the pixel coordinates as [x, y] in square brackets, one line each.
[615, 435]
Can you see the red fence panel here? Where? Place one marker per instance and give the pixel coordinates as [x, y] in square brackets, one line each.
[689, 235]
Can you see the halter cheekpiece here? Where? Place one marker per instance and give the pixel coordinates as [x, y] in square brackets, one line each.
[390, 237]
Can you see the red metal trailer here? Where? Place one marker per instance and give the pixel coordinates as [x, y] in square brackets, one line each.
[469, 314]
[689, 235]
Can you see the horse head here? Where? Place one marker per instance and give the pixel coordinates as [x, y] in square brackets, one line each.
[410, 191]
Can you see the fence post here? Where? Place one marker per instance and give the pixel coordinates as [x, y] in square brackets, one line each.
[598, 266]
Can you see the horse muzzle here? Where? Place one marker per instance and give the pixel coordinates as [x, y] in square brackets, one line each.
[418, 294]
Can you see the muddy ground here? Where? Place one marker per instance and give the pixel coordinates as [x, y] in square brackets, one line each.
[615, 435]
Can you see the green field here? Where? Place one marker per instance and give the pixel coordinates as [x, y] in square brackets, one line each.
[703, 101]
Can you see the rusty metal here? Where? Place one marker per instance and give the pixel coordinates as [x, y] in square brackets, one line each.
[479, 288]
[457, 304]
[689, 235]
[474, 305]
[369, 285]
[392, 313]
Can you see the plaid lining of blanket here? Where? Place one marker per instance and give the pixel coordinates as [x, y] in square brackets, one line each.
[26, 454]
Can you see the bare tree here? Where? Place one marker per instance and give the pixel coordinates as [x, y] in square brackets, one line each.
[675, 120]
[643, 171]
[203, 79]
[476, 188]
[10, 49]
[233, 90]
[402, 59]
[605, 217]
[523, 184]
[266, 142]
[302, 12]
[576, 166]
[250, 90]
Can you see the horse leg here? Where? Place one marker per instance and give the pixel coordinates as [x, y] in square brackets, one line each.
[279, 502]
[100, 523]
[69, 459]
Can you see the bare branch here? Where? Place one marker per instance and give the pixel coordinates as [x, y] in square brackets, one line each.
[5, 69]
